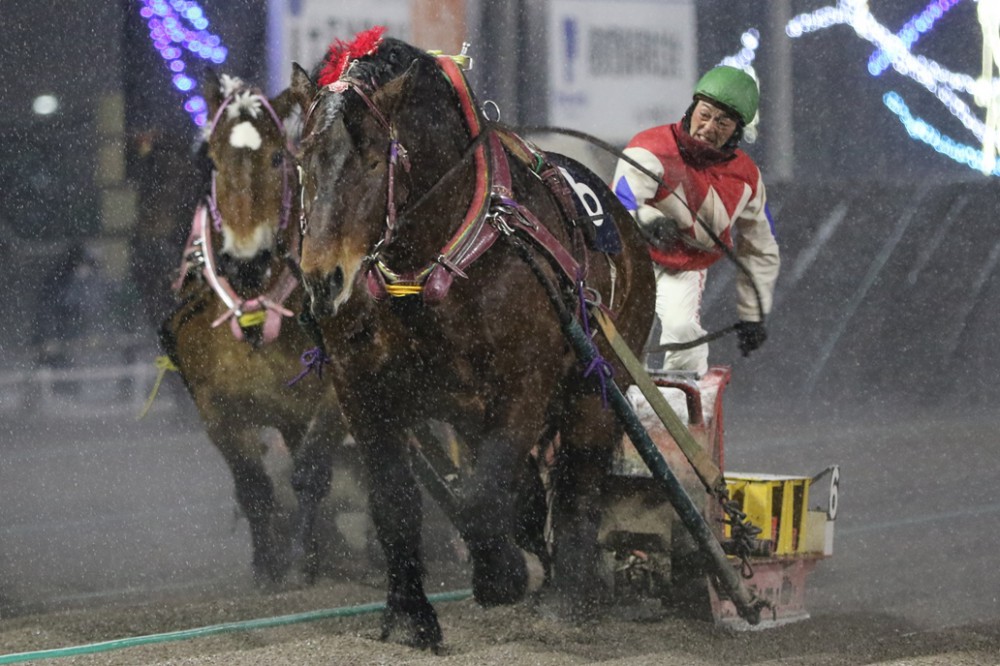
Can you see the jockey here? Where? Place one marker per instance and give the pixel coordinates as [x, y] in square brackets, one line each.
[710, 183]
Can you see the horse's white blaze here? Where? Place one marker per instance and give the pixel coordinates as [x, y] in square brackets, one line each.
[351, 276]
[247, 246]
[245, 135]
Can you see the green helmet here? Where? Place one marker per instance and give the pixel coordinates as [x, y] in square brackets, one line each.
[732, 88]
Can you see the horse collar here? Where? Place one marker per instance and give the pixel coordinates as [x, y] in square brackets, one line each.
[474, 236]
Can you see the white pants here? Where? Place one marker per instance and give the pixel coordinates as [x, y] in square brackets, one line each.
[678, 307]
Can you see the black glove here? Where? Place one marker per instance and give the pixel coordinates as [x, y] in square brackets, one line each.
[660, 232]
[751, 335]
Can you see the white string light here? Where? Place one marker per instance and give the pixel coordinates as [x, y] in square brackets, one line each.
[893, 50]
[743, 59]
[927, 133]
[989, 20]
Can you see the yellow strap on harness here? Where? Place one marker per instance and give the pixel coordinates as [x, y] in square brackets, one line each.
[163, 364]
[256, 318]
[403, 289]
[462, 59]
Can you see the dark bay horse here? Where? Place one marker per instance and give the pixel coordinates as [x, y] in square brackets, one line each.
[232, 335]
[429, 238]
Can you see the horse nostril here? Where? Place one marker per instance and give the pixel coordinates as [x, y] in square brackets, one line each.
[336, 281]
[315, 297]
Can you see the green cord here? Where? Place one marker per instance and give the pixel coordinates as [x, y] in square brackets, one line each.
[211, 630]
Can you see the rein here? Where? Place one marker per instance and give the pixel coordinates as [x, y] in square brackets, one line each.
[728, 251]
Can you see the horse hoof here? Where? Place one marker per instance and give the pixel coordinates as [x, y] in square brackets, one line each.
[573, 607]
[419, 629]
[505, 577]
[270, 571]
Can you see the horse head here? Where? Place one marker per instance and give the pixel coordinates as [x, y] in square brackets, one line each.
[253, 179]
[375, 140]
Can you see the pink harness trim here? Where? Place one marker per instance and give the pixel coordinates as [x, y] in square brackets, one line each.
[198, 252]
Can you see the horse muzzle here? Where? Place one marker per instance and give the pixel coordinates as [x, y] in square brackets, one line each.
[246, 275]
[324, 292]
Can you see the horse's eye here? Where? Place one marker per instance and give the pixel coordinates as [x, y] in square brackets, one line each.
[277, 159]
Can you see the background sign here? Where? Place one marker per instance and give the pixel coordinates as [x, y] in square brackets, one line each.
[616, 68]
[301, 30]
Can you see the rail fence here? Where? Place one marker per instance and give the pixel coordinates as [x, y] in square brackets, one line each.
[114, 381]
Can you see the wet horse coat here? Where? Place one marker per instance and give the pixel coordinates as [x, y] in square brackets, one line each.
[392, 171]
[231, 336]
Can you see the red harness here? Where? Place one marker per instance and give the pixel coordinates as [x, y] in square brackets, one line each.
[493, 211]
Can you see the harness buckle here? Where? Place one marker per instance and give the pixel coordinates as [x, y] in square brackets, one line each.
[196, 257]
[498, 218]
[372, 256]
[451, 266]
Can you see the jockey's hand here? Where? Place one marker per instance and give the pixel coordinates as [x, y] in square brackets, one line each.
[751, 335]
[660, 232]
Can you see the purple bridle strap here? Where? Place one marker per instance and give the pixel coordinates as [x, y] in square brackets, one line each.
[312, 360]
[599, 365]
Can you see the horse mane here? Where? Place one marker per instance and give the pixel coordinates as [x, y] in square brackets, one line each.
[369, 57]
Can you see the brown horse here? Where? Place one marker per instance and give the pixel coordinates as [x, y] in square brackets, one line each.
[232, 335]
[426, 255]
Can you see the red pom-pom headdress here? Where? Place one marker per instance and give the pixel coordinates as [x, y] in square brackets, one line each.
[340, 53]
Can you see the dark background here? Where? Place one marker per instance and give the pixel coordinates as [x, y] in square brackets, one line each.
[884, 323]
[121, 148]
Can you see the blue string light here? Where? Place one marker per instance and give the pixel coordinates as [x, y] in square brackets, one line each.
[176, 28]
[893, 50]
[927, 133]
[911, 32]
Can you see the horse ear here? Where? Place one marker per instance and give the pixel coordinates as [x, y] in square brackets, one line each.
[284, 103]
[302, 89]
[211, 90]
[391, 95]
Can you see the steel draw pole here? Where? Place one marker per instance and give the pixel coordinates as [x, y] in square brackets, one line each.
[747, 605]
[729, 578]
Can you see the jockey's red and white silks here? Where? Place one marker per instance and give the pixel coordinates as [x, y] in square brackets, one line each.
[727, 195]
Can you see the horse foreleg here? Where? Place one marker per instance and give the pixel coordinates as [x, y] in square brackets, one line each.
[496, 520]
[578, 480]
[395, 504]
[255, 496]
[531, 511]
[311, 476]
